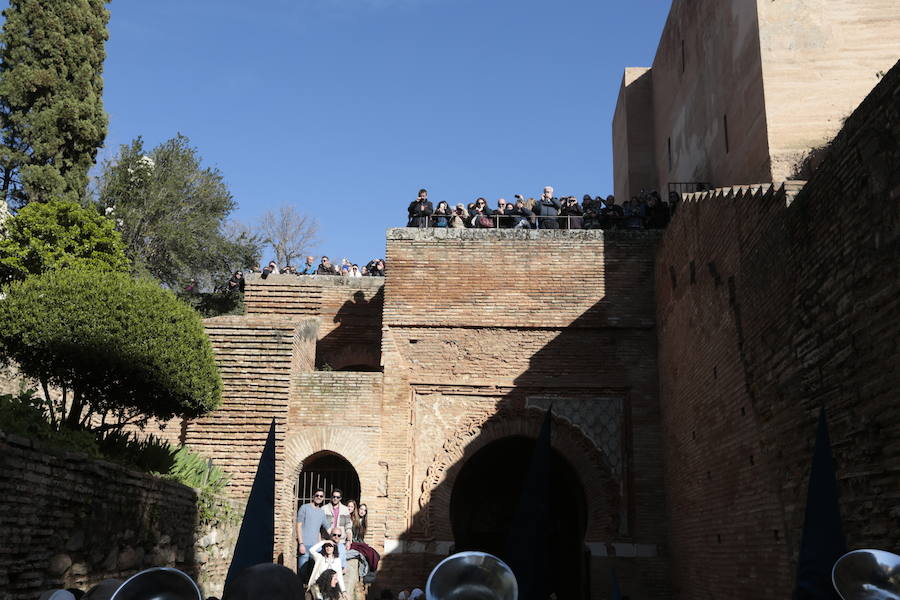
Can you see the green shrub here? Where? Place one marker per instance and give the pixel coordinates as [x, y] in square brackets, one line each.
[57, 235]
[197, 472]
[23, 414]
[119, 345]
[151, 454]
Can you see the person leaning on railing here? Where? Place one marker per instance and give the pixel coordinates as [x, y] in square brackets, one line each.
[546, 208]
[573, 213]
[481, 215]
[519, 214]
[441, 216]
[460, 217]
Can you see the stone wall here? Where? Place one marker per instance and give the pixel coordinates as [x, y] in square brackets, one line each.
[70, 521]
[708, 70]
[743, 90]
[772, 304]
[820, 58]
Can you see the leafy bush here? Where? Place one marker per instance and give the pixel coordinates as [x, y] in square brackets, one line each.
[151, 455]
[57, 235]
[118, 344]
[195, 471]
[23, 414]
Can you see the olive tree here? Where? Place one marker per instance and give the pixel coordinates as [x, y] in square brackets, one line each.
[119, 347]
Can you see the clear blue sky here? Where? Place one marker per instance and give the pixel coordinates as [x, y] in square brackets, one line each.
[347, 107]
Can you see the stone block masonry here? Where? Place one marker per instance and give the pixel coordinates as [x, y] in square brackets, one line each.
[773, 303]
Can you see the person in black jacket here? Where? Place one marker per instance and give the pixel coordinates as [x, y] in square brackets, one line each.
[521, 216]
[326, 268]
[419, 210]
[236, 283]
[545, 208]
[480, 209]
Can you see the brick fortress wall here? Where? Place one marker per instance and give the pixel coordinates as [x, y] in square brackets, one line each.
[349, 312]
[482, 327]
[267, 359]
[770, 306]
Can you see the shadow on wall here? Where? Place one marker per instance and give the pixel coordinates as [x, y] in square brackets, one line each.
[355, 342]
[599, 374]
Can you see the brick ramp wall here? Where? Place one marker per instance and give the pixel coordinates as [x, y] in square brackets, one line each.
[349, 312]
[770, 306]
[257, 356]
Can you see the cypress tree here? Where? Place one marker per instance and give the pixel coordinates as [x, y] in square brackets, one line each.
[51, 97]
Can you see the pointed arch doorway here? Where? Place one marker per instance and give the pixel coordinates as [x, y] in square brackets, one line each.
[485, 496]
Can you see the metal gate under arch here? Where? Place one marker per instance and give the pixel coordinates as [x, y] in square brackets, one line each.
[327, 471]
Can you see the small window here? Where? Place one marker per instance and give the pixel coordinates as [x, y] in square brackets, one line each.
[682, 56]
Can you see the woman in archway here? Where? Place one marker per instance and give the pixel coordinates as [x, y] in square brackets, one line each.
[325, 553]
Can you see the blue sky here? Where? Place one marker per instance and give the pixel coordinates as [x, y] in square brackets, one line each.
[347, 107]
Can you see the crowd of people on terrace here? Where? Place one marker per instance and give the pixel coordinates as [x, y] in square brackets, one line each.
[374, 268]
[644, 211]
[334, 561]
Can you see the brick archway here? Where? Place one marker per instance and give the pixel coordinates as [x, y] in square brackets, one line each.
[605, 501]
[298, 447]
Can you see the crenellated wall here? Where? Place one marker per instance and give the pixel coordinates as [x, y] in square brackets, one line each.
[772, 303]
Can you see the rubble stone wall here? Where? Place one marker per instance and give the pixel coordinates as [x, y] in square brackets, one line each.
[70, 521]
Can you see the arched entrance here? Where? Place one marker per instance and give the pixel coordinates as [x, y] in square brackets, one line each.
[327, 470]
[484, 499]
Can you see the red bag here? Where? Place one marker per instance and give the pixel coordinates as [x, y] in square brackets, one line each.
[485, 221]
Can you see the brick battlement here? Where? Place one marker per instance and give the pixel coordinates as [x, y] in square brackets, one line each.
[789, 189]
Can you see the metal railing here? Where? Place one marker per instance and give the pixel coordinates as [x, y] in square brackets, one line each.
[602, 221]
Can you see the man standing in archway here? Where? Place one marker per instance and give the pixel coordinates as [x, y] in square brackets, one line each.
[310, 521]
[338, 515]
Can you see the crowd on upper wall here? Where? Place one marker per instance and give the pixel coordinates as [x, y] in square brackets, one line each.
[374, 268]
[645, 211]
